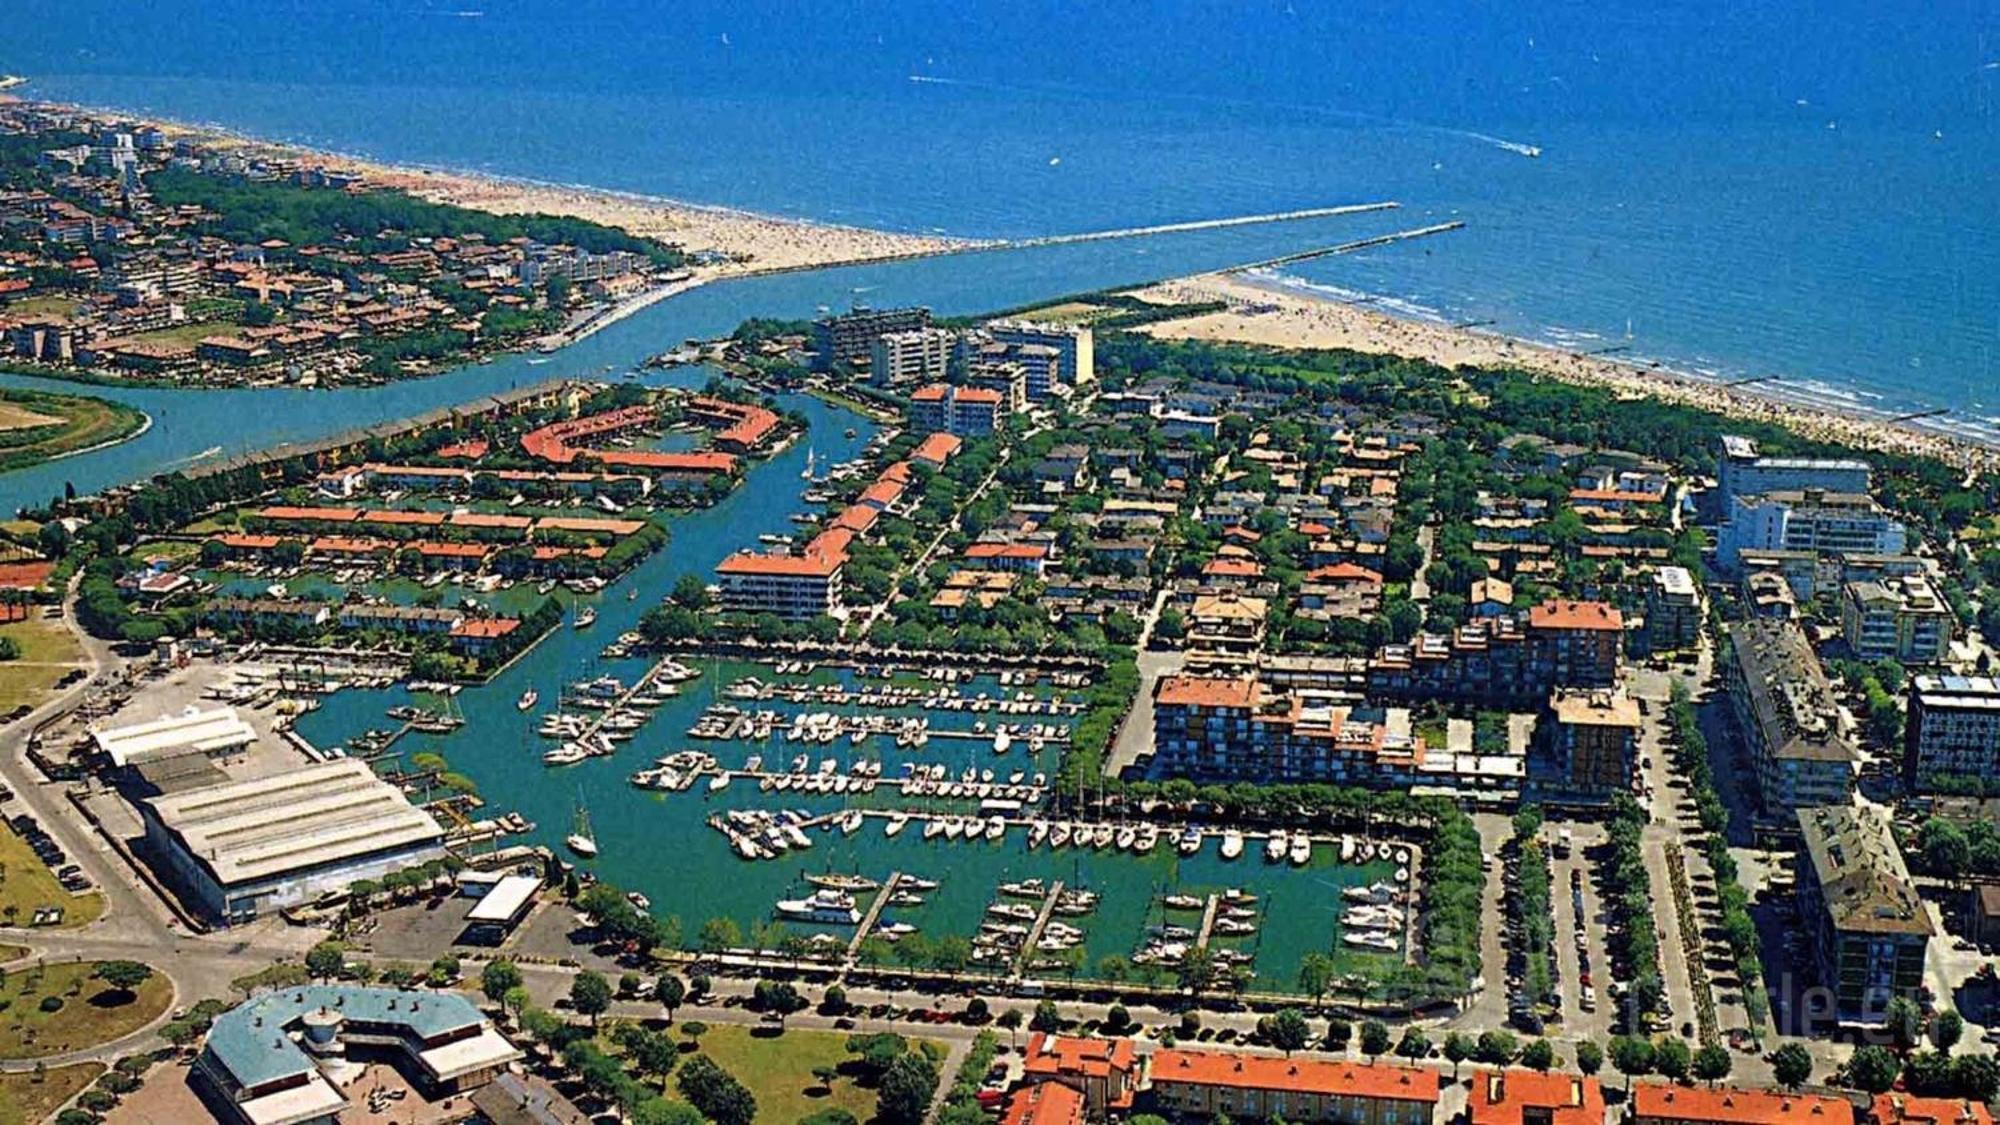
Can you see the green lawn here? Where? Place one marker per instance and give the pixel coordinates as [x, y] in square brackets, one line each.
[43, 640]
[778, 1069]
[26, 1098]
[26, 883]
[91, 1012]
[38, 425]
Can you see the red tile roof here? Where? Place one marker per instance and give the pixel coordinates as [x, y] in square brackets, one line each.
[1075, 1055]
[485, 628]
[471, 450]
[937, 448]
[1728, 1105]
[1902, 1109]
[1006, 551]
[856, 518]
[720, 464]
[791, 566]
[1345, 572]
[1044, 1103]
[328, 515]
[1207, 691]
[1505, 1097]
[1233, 568]
[1298, 1075]
[1576, 615]
[242, 541]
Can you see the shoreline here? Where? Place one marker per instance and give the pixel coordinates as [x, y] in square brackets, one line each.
[1271, 312]
[753, 242]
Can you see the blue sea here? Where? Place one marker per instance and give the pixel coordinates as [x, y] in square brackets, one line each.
[1781, 189]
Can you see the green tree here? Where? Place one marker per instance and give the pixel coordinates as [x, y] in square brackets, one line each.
[1415, 1044]
[1791, 1065]
[1457, 1049]
[1315, 975]
[1288, 1030]
[1712, 1063]
[716, 1093]
[671, 994]
[660, 1111]
[1632, 1057]
[1905, 1022]
[590, 994]
[1672, 1058]
[718, 934]
[1589, 1057]
[1873, 1069]
[497, 978]
[1374, 1039]
[654, 1053]
[1539, 1055]
[907, 1087]
[1947, 1028]
[1047, 1018]
[325, 960]
[124, 976]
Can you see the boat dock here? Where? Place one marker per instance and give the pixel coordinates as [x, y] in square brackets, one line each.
[869, 919]
[1028, 947]
[1210, 907]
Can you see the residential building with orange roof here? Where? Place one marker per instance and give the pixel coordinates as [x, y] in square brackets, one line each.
[1044, 1103]
[1254, 1087]
[290, 514]
[744, 426]
[1104, 1071]
[1533, 1097]
[881, 494]
[1904, 1109]
[966, 411]
[936, 449]
[241, 544]
[479, 634]
[795, 587]
[585, 525]
[1658, 1103]
[857, 518]
[1020, 558]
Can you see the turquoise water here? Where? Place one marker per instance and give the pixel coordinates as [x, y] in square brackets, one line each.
[659, 844]
[1751, 188]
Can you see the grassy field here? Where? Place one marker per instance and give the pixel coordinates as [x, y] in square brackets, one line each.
[76, 422]
[26, 1098]
[49, 304]
[48, 650]
[91, 1012]
[26, 883]
[778, 1069]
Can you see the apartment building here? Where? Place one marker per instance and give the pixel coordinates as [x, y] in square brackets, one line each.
[919, 355]
[1593, 739]
[1072, 344]
[1824, 523]
[965, 411]
[848, 338]
[1868, 928]
[1206, 1084]
[1673, 609]
[1743, 471]
[794, 587]
[1902, 619]
[1952, 730]
[1785, 708]
[1503, 661]
[1655, 1103]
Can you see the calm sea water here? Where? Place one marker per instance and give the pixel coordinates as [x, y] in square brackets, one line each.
[1768, 191]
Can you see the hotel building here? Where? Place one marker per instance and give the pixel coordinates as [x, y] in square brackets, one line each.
[1952, 729]
[1786, 711]
[1869, 929]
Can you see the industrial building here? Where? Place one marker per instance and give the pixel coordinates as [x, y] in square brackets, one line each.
[243, 849]
[211, 733]
[263, 1058]
[1868, 928]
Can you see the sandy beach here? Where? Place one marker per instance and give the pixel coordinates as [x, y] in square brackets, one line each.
[753, 243]
[1271, 313]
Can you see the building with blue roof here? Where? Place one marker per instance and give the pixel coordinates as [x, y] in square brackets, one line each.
[266, 1058]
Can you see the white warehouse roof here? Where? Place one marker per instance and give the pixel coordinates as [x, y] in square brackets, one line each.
[247, 831]
[191, 731]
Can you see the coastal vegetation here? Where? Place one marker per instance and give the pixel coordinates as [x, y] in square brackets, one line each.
[36, 426]
[250, 211]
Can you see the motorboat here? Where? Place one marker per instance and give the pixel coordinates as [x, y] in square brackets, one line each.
[528, 700]
[826, 907]
[1232, 844]
[1277, 847]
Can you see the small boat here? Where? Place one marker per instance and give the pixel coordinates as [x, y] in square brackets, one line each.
[1301, 850]
[528, 700]
[1232, 844]
[1347, 849]
[1276, 847]
[580, 839]
[827, 907]
[718, 783]
[638, 900]
[896, 824]
[1189, 841]
[934, 826]
[1038, 833]
[852, 884]
[585, 618]
[1183, 902]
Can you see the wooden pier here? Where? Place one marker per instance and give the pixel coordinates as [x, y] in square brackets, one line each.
[1209, 909]
[1027, 951]
[869, 919]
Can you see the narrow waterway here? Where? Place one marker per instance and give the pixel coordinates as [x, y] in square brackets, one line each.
[194, 426]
